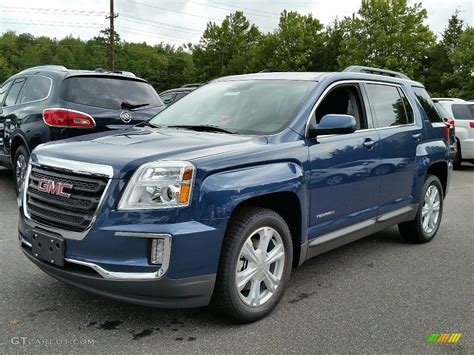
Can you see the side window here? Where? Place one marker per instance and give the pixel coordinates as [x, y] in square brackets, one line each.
[35, 88]
[180, 95]
[427, 104]
[346, 100]
[3, 90]
[14, 91]
[167, 98]
[390, 105]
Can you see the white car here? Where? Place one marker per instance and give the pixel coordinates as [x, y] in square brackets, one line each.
[463, 114]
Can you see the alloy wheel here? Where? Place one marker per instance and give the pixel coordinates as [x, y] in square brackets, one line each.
[430, 210]
[260, 266]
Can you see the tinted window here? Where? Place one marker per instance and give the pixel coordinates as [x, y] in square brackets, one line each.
[14, 91]
[462, 112]
[108, 92]
[427, 104]
[442, 111]
[244, 106]
[167, 98]
[390, 108]
[35, 88]
[3, 90]
[180, 95]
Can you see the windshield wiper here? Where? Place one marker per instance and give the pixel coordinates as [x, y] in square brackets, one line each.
[148, 124]
[205, 128]
[130, 106]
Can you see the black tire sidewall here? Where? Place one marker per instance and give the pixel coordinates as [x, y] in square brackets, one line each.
[253, 313]
[430, 181]
[20, 151]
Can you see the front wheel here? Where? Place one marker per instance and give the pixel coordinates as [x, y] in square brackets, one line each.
[20, 163]
[428, 219]
[255, 264]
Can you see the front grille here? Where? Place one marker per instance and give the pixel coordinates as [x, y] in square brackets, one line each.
[74, 213]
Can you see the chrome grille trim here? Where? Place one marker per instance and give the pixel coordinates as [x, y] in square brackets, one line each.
[66, 166]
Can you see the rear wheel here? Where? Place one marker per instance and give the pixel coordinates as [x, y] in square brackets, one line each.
[20, 163]
[255, 265]
[428, 219]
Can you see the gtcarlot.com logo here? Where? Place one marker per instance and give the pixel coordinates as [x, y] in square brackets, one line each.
[443, 338]
[51, 341]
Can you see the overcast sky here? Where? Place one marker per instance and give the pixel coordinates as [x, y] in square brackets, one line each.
[183, 21]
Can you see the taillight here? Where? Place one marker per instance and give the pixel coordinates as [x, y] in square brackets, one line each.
[471, 124]
[60, 117]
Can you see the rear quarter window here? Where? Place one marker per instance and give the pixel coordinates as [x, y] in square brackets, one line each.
[36, 88]
[427, 104]
[462, 112]
[109, 92]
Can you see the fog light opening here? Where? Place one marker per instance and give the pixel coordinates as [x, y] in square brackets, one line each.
[157, 251]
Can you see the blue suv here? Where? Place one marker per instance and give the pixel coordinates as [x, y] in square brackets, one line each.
[219, 196]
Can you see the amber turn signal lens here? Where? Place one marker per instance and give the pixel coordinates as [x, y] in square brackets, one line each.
[188, 174]
[184, 193]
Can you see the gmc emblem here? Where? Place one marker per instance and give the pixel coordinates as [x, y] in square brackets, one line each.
[54, 187]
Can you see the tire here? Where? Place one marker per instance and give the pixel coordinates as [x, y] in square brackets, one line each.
[20, 163]
[414, 231]
[241, 305]
[457, 161]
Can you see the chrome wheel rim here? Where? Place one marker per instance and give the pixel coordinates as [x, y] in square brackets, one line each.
[260, 267]
[431, 209]
[20, 168]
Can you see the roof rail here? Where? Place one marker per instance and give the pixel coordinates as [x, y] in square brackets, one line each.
[271, 71]
[46, 67]
[192, 85]
[377, 71]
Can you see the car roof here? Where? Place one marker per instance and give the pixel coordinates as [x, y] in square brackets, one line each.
[449, 99]
[59, 71]
[318, 76]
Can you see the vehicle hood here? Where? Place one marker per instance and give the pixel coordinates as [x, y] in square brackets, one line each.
[127, 149]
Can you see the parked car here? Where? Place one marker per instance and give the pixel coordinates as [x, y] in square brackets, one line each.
[217, 197]
[451, 127]
[169, 97]
[50, 102]
[463, 114]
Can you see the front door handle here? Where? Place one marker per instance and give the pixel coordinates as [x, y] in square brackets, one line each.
[368, 143]
[416, 136]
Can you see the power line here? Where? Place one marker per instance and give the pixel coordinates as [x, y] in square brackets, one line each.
[49, 23]
[160, 24]
[188, 14]
[227, 9]
[43, 9]
[244, 8]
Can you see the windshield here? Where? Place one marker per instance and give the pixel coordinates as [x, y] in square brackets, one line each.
[109, 92]
[245, 107]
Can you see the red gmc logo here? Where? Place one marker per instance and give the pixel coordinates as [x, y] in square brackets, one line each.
[54, 187]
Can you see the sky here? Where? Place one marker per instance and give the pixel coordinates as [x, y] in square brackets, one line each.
[183, 21]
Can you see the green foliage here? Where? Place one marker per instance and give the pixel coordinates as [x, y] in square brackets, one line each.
[384, 33]
[462, 58]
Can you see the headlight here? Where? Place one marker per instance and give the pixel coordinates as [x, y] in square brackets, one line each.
[161, 184]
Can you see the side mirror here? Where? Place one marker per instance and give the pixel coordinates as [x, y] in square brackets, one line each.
[334, 124]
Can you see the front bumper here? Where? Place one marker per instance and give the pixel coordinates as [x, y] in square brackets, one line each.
[164, 292]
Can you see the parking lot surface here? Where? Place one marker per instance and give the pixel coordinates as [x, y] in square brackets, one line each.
[379, 294]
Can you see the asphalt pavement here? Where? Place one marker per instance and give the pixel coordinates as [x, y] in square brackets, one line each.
[377, 295]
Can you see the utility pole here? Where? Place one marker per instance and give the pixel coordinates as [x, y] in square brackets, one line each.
[111, 17]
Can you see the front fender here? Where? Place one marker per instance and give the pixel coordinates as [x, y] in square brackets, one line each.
[221, 192]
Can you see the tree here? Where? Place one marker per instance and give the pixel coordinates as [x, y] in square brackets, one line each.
[226, 49]
[462, 59]
[386, 34]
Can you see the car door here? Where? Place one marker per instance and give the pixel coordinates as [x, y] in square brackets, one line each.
[342, 184]
[3, 93]
[8, 109]
[400, 132]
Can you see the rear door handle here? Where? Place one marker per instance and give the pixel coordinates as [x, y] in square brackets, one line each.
[416, 136]
[368, 143]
